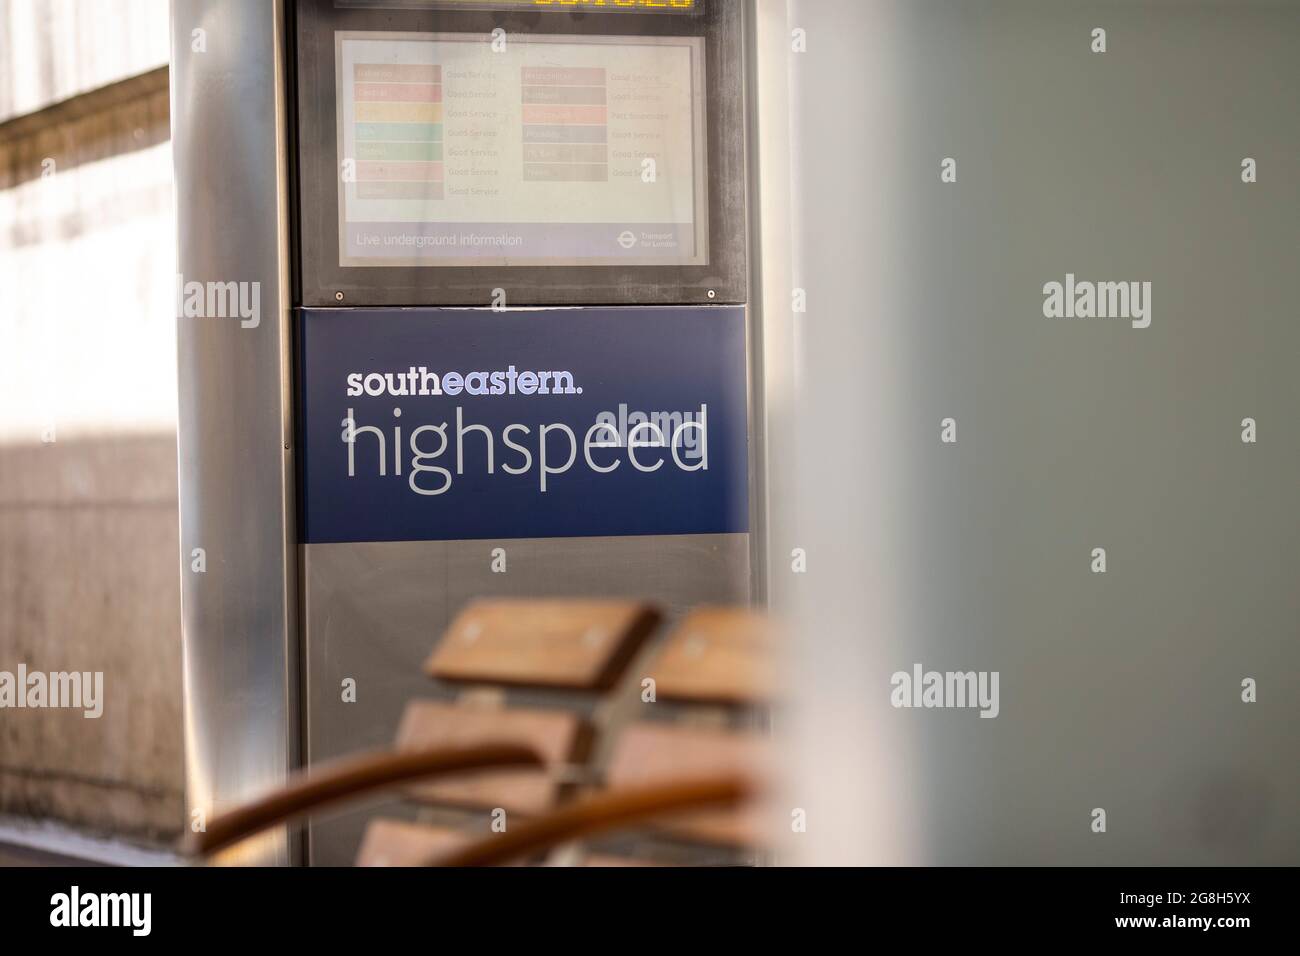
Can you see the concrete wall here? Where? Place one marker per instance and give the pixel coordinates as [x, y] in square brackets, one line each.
[52, 50]
[88, 511]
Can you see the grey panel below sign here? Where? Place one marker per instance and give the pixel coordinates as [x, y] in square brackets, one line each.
[374, 610]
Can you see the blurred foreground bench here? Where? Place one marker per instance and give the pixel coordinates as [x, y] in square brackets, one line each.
[663, 767]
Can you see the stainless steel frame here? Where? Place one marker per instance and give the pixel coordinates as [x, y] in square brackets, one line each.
[239, 616]
[773, 341]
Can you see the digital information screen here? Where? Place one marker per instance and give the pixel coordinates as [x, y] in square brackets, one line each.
[544, 150]
[554, 6]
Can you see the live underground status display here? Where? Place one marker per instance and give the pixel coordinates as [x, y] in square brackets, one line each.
[461, 149]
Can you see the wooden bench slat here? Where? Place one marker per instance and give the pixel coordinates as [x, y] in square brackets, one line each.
[582, 645]
[605, 860]
[650, 753]
[719, 655]
[559, 737]
[398, 843]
